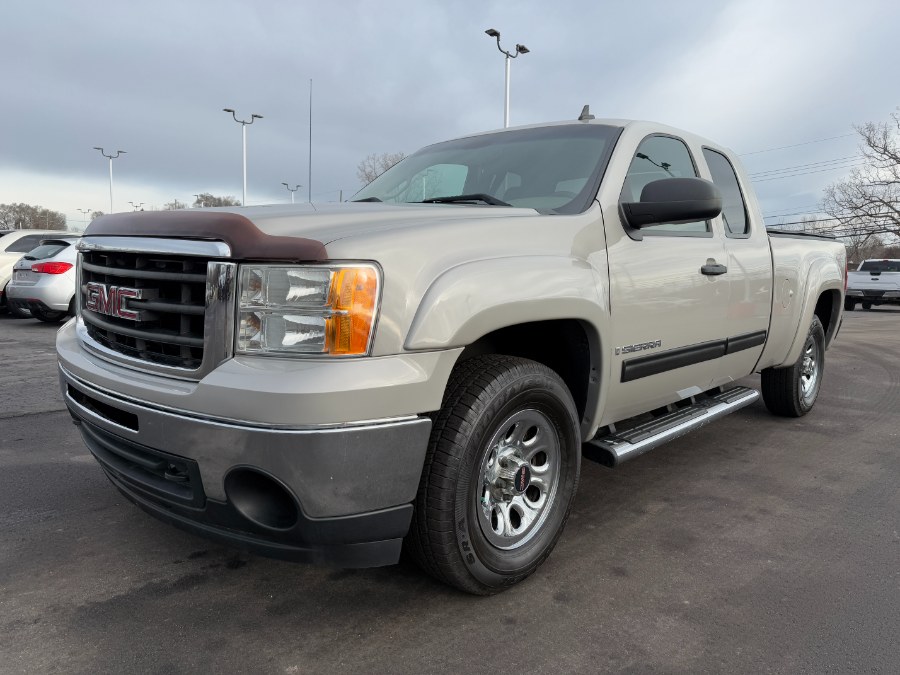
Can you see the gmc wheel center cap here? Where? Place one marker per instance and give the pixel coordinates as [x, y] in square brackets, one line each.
[521, 479]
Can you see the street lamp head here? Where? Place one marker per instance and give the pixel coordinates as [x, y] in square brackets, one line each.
[121, 152]
[254, 115]
[285, 185]
[522, 49]
[493, 33]
[98, 148]
[231, 110]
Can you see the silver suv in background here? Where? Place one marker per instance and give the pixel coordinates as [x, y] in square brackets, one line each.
[43, 280]
[13, 244]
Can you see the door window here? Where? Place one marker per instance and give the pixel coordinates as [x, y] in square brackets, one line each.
[658, 158]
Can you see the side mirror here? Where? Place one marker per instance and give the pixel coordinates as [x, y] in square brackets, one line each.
[674, 200]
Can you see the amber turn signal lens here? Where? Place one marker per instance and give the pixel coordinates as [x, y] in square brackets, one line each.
[354, 296]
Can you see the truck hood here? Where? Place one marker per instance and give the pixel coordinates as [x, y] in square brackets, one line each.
[330, 222]
[294, 232]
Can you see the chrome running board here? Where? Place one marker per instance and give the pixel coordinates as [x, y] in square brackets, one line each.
[616, 447]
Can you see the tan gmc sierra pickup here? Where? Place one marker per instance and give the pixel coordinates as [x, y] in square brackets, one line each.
[425, 367]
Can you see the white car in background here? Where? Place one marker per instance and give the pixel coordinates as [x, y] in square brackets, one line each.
[13, 245]
[875, 282]
[43, 280]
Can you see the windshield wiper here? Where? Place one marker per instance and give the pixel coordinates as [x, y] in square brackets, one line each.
[367, 199]
[474, 197]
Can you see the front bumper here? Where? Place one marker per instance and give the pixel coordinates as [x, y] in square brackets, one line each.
[337, 494]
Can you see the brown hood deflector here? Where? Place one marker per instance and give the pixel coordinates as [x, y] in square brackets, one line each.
[247, 241]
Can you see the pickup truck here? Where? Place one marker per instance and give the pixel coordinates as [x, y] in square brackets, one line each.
[423, 368]
[875, 282]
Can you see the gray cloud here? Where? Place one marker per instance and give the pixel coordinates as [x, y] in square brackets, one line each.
[152, 79]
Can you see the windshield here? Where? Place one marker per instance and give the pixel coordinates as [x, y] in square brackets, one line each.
[880, 266]
[553, 169]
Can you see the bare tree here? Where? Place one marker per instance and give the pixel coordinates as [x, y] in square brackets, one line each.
[374, 165]
[207, 199]
[867, 203]
[28, 217]
[862, 245]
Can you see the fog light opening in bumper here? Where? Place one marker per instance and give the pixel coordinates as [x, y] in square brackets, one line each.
[261, 499]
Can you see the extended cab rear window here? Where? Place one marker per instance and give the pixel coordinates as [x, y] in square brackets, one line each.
[734, 211]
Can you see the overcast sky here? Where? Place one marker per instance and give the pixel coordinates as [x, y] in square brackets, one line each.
[152, 78]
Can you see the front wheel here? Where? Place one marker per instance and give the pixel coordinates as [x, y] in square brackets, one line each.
[499, 477]
[792, 391]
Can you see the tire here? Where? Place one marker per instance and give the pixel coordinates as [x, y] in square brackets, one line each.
[48, 316]
[14, 312]
[867, 305]
[849, 304]
[792, 391]
[500, 475]
[19, 313]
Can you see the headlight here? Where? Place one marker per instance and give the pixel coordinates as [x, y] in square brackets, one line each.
[321, 309]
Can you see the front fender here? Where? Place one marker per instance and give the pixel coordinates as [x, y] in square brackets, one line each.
[473, 299]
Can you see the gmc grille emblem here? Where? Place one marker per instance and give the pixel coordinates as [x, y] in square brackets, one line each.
[113, 300]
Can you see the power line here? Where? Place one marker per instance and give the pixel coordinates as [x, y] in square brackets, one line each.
[824, 162]
[795, 145]
[806, 173]
[794, 211]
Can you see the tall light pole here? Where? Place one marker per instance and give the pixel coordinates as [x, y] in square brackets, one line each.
[110, 158]
[244, 124]
[137, 207]
[292, 190]
[84, 214]
[520, 49]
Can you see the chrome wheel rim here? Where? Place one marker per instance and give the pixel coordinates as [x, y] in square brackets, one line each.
[519, 479]
[810, 368]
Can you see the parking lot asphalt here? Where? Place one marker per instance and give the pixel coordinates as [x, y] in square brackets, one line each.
[755, 544]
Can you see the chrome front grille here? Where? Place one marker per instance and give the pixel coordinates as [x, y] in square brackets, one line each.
[176, 311]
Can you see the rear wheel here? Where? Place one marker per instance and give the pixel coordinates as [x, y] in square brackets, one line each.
[792, 391]
[13, 311]
[849, 304]
[48, 315]
[499, 477]
[19, 312]
[867, 305]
